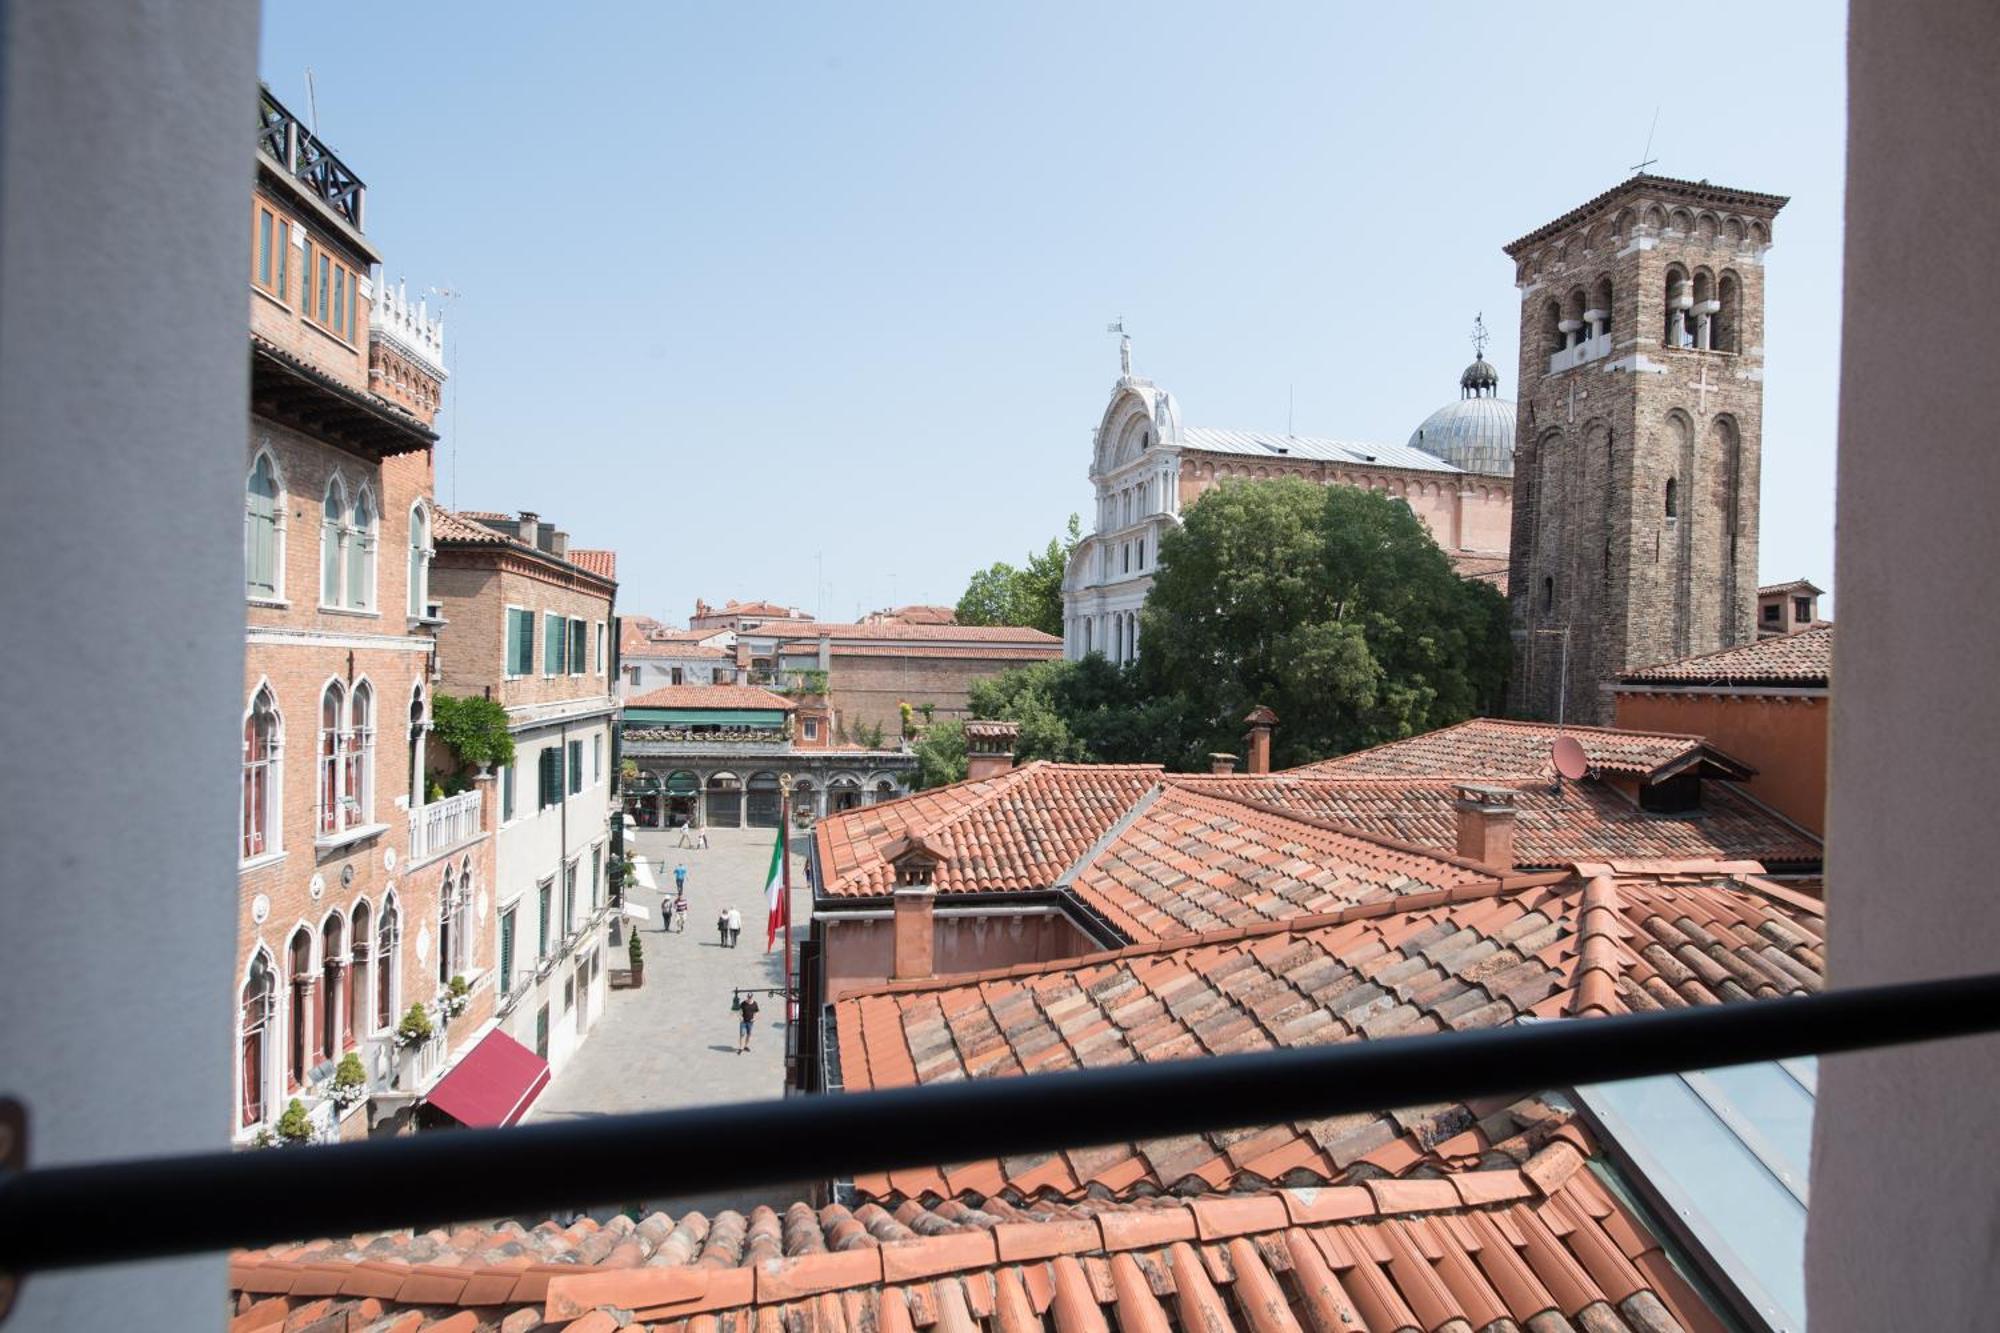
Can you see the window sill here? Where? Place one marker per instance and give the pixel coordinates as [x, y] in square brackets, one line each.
[362, 612]
[330, 842]
[260, 860]
[275, 603]
[429, 622]
[276, 300]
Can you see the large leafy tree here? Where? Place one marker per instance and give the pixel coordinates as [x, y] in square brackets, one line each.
[1329, 604]
[1002, 594]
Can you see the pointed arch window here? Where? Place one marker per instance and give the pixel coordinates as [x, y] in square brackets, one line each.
[449, 928]
[299, 956]
[262, 773]
[361, 554]
[1673, 499]
[263, 532]
[360, 758]
[332, 1008]
[360, 988]
[332, 542]
[386, 965]
[420, 562]
[259, 1006]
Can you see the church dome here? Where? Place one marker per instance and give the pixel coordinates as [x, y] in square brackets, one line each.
[1476, 433]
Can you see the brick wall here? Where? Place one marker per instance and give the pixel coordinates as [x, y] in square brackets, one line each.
[275, 312]
[1594, 548]
[868, 689]
[1462, 512]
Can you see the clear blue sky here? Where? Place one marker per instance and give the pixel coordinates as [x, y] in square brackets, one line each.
[748, 285]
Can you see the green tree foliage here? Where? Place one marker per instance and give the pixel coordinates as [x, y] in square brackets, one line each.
[1088, 711]
[474, 727]
[1332, 605]
[1032, 595]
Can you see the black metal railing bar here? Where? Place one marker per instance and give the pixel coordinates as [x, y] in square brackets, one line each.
[113, 1212]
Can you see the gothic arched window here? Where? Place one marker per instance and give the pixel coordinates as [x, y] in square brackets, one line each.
[263, 531]
[1673, 500]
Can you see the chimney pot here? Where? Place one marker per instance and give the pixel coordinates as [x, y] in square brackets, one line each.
[1486, 817]
[1224, 764]
[530, 529]
[989, 747]
[1261, 720]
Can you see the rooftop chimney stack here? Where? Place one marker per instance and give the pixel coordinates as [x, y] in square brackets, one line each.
[913, 946]
[1261, 720]
[989, 748]
[1486, 825]
[1222, 764]
[530, 530]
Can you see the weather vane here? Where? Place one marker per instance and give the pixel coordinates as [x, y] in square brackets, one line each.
[1479, 336]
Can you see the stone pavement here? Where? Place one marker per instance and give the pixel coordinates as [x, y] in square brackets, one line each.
[672, 1042]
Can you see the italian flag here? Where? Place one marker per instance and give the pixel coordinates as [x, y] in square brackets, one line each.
[775, 895]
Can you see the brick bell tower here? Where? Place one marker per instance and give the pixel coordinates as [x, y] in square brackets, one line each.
[1638, 438]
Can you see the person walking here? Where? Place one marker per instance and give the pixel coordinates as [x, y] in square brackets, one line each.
[722, 927]
[680, 880]
[735, 926]
[746, 1019]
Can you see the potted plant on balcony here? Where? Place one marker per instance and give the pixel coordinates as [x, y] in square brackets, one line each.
[475, 728]
[455, 998]
[295, 1126]
[415, 1029]
[350, 1082]
[637, 952]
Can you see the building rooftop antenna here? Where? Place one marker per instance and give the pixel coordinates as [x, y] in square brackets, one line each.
[1646, 158]
[312, 102]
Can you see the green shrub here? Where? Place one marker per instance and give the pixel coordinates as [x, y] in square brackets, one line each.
[415, 1027]
[637, 952]
[474, 727]
[294, 1126]
[349, 1073]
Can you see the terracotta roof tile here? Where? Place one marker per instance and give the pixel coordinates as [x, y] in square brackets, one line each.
[1383, 967]
[710, 696]
[1803, 658]
[809, 634]
[1488, 748]
[450, 528]
[1588, 820]
[604, 564]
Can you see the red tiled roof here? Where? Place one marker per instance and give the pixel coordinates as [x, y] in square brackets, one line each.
[1798, 585]
[1614, 938]
[1018, 830]
[1186, 862]
[1477, 565]
[709, 696]
[448, 528]
[919, 614]
[604, 564]
[1551, 1248]
[1804, 657]
[1587, 821]
[934, 633]
[1487, 748]
[991, 652]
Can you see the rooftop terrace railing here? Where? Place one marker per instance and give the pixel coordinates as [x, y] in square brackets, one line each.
[82, 1216]
[281, 135]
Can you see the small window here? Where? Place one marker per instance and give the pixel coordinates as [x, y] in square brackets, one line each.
[575, 767]
[547, 892]
[1773, 613]
[520, 641]
[555, 639]
[596, 760]
[603, 658]
[1673, 500]
[506, 978]
[579, 646]
[1548, 594]
[266, 234]
[812, 729]
[1802, 609]
[507, 792]
[325, 295]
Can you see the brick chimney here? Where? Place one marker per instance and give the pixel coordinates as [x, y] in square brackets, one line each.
[913, 946]
[1261, 720]
[530, 528]
[989, 747]
[1486, 825]
[558, 543]
[1224, 764]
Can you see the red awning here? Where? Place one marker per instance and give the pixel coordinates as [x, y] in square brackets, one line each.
[495, 1084]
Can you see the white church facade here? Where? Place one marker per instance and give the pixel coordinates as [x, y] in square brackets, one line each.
[1455, 473]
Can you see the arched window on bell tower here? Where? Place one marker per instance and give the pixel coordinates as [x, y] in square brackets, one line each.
[1673, 500]
[1680, 296]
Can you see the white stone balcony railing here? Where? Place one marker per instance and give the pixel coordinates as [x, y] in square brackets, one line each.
[1587, 349]
[410, 326]
[438, 827]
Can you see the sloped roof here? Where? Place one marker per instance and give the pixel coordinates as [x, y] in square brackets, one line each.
[1481, 566]
[1803, 657]
[454, 529]
[1612, 939]
[1273, 445]
[1017, 830]
[894, 631]
[709, 696]
[1795, 585]
[604, 564]
[1523, 1248]
[1186, 862]
[1586, 821]
[1493, 748]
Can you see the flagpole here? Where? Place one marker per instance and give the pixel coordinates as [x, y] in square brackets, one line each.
[785, 874]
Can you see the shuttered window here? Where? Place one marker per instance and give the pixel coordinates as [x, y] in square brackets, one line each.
[579, 646]
[507, 952]
[551, 777]
[260, 530]
[554, 639]
[520, 641]
[575, 767]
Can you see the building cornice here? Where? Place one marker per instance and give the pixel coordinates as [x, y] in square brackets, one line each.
[310, 638]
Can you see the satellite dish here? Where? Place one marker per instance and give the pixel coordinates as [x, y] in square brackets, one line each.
[1570, 760]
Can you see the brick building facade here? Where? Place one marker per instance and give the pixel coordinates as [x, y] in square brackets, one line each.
[529, 623]
[349, 915]
[1639, 437]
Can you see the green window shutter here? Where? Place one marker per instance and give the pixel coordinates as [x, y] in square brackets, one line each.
[575, 767]
[522, 658]
[507, 952]
[552, 644]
